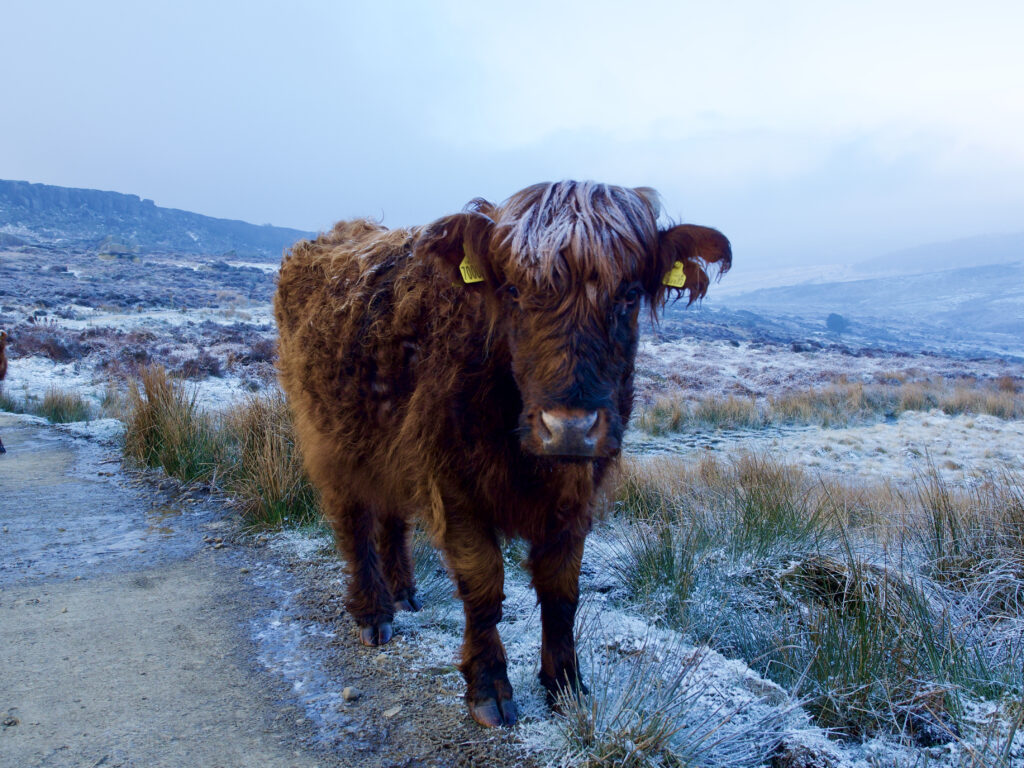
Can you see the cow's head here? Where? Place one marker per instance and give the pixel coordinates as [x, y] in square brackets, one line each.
[564, 268]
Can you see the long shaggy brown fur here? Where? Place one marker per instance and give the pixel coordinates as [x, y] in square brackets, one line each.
[491, 409]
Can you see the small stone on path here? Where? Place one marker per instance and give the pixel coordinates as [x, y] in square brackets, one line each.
[349, 693]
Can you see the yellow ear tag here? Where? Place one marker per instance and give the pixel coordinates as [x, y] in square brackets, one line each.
[676, 277]
[470, 273]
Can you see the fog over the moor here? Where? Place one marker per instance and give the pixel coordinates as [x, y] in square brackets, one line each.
[808, 132]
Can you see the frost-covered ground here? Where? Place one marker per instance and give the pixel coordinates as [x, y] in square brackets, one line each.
[93, 346]
[705, 367]
[961, 448]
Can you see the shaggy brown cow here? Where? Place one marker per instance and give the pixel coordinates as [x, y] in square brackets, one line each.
[491, 398]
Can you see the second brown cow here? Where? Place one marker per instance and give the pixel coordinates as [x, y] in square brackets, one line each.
[477, 372]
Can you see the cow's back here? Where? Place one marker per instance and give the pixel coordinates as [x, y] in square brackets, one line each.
[357, 314]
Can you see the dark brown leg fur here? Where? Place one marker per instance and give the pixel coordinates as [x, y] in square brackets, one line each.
[393, 544]
[475, 559]
[369, 597]
[556, 574]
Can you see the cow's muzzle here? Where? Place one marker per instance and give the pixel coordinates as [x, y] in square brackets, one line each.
[570, 432]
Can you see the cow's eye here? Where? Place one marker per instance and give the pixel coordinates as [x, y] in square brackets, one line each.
[628, 299]
[512, 292]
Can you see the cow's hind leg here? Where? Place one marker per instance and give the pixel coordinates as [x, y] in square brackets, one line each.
[369, 597]
[397, 562]
[475, 560]
[555, 566]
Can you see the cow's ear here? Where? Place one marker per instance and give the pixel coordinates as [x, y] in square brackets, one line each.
[462, 244]
[684, 254]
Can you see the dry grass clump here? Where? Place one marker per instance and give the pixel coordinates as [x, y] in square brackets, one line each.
[62, 406]
[9, 402]
[59, 406]
[166, 428]
[838, 404]
[973, 539]
[248, 451]
[647, 711]
[265, 472]
[795, 576]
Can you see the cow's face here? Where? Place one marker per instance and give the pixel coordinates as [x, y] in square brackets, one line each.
[565, 268]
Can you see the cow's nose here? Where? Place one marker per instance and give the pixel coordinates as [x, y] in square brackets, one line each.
[571, 431]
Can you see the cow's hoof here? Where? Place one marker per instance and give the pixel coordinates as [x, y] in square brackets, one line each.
[377, 634]
[491, 713]
[409, 604]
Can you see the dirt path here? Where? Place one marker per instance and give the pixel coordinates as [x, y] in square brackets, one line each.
[138, 627]
[119, 627]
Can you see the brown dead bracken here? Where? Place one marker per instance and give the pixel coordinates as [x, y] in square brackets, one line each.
[491, 409]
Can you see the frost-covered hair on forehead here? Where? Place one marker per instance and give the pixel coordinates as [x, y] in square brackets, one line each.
[571, 231]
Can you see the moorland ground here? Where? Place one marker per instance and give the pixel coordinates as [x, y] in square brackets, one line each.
[813, 555]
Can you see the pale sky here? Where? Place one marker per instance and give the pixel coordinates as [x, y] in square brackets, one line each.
[806, 131]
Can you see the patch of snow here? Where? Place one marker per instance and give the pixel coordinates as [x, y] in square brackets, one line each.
[262, 266]
[103, 430]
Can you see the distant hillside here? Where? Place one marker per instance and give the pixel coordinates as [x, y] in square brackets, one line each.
[967, 252]
[970, 309]
[91, 220]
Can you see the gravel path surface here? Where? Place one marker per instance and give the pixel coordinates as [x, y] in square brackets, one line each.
[140, 627]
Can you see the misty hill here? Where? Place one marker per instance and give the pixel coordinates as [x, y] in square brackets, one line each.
[90, 220]
[970, 310]
[966, 252]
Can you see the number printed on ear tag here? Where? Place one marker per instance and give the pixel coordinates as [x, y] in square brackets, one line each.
[676, 277]
[470, 274]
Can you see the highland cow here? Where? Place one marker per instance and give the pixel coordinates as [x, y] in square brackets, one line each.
[478, 372]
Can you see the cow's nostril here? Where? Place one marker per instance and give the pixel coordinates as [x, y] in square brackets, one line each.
[549, 425]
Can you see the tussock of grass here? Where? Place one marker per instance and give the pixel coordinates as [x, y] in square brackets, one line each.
[792, 575]
[249, 451]
[838, 404]
[61, 406]
[646, 711]
[166, 428]
[265, 471]
[433, 584]
[8, 402]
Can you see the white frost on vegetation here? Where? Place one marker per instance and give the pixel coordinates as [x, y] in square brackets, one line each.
[962, 448]
[699, 368]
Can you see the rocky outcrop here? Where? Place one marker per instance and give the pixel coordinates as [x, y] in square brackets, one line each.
[88, 219]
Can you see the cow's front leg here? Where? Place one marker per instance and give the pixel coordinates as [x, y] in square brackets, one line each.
[475, 559]
[555, 565]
